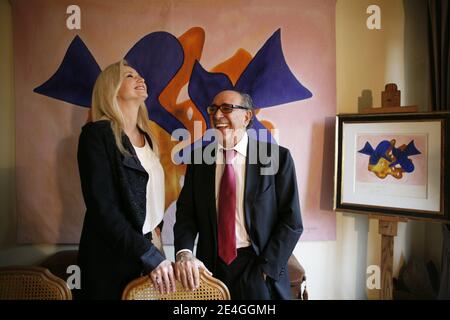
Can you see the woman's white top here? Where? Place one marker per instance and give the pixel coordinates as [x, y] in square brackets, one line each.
[155, 187]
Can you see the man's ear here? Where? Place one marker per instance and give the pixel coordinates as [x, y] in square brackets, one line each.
[248, 116]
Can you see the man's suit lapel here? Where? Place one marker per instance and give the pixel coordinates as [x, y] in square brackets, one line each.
[210, 184]
[131, 160]
[251, 181]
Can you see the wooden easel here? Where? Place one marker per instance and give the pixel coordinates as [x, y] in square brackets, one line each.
[387, 226]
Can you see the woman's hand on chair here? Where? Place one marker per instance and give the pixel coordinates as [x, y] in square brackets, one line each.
[163, 277]
[187, 270]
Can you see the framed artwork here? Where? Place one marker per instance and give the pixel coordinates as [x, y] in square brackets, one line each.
[394, 164]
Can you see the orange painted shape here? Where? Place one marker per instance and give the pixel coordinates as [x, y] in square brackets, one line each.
[235, 65]
[192, 42]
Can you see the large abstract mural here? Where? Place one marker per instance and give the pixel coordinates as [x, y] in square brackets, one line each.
[282, 54]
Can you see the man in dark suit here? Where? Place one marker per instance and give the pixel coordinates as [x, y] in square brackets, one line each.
[244, 207]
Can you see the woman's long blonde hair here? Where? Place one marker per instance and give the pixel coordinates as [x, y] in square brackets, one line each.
[105, 105]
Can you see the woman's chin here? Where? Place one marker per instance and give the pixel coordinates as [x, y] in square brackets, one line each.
[142, 97]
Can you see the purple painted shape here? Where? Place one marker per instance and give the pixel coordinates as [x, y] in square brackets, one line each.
[158, 57]
[268, 79]
[74, 80]
[204, 86]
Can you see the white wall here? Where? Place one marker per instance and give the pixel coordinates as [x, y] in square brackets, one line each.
[366, 60]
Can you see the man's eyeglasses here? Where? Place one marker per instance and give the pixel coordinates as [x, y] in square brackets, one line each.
[224, 107]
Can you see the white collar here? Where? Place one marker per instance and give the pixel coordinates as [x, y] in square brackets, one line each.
[240, 147]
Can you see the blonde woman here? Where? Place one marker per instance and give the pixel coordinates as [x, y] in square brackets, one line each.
[123, 189]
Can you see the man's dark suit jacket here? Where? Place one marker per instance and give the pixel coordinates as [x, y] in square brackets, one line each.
[113, 250]
[271, 206]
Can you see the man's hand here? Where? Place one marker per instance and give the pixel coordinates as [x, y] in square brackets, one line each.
[163, 277]
[186, 270]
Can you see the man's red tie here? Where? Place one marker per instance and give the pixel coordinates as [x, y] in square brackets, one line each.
[227, 211]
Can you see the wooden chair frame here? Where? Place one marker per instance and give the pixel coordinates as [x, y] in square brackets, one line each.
[210, 288]
[32, 283]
